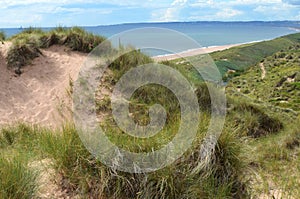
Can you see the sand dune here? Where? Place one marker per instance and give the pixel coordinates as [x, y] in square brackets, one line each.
[39, 95]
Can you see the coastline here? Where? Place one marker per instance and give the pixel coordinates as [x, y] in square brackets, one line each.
[198, 51]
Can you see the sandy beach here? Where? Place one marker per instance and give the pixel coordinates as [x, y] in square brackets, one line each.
[193, 52]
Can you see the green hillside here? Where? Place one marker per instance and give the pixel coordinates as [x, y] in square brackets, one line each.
[237, 59]
[273, 87]
[242, 57]
[275, 80]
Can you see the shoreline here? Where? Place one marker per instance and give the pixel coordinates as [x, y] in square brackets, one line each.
[198, 51]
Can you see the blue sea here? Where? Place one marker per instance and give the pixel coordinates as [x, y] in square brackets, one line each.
[205, 33]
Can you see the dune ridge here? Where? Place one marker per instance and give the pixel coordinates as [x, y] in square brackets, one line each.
[39, 95]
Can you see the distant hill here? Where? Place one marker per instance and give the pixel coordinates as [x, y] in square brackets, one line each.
[242, 57]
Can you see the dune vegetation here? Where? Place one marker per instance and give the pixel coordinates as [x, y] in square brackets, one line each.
[256, 156]
[2, 36]
[27, 44]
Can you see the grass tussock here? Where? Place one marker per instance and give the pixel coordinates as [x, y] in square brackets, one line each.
[26, 44]
[22, 54]
[2, 36]
[252, 120]
[16, 179]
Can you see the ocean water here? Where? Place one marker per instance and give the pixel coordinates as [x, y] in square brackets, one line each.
[205, 33]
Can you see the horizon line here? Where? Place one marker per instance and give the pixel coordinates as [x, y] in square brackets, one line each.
[155, 22]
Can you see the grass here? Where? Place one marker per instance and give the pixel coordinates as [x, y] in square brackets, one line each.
[16, 179]
[22, 54]
[277, 162]
[27, 44]
[279, 87]
[275, 156]
[2, 36]
[85, 176]
[241, 58]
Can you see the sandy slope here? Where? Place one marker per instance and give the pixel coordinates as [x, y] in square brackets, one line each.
[39, 95]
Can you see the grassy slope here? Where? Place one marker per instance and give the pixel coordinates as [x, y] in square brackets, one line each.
[276, 157]
[281, 84]
[242, 57]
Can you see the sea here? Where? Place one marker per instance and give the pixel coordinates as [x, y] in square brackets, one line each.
[207, 34]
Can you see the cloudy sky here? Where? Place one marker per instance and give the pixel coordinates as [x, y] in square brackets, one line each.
[45, 13]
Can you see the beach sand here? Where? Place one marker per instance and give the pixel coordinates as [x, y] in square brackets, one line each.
[193, 52]
[39, 95]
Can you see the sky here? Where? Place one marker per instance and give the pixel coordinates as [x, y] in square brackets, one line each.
[49, 13]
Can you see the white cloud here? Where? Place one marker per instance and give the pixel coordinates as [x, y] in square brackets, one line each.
[227, 13]
[222, 14]
[171, 13]
[179, 2]
[278, 11]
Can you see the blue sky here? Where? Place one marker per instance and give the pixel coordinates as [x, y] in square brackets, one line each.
[45, 13]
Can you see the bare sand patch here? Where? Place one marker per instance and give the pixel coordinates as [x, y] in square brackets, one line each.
[39, 95]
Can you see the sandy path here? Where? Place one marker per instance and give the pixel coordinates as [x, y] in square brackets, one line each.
[39, 95]
[193, 52]
[263, 70]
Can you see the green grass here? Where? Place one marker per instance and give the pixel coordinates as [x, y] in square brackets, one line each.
[277, 162]
[16, 179]
[2, 36]
[280, 87]
[26, 45]
[242, 57]
[275, 156]
[85, 176]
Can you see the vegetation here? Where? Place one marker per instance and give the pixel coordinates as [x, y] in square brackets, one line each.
[279, 86]
[84, 176]
[26, 45]
[271, 87]
[236, 60]
[257, 154]
[2, 36]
